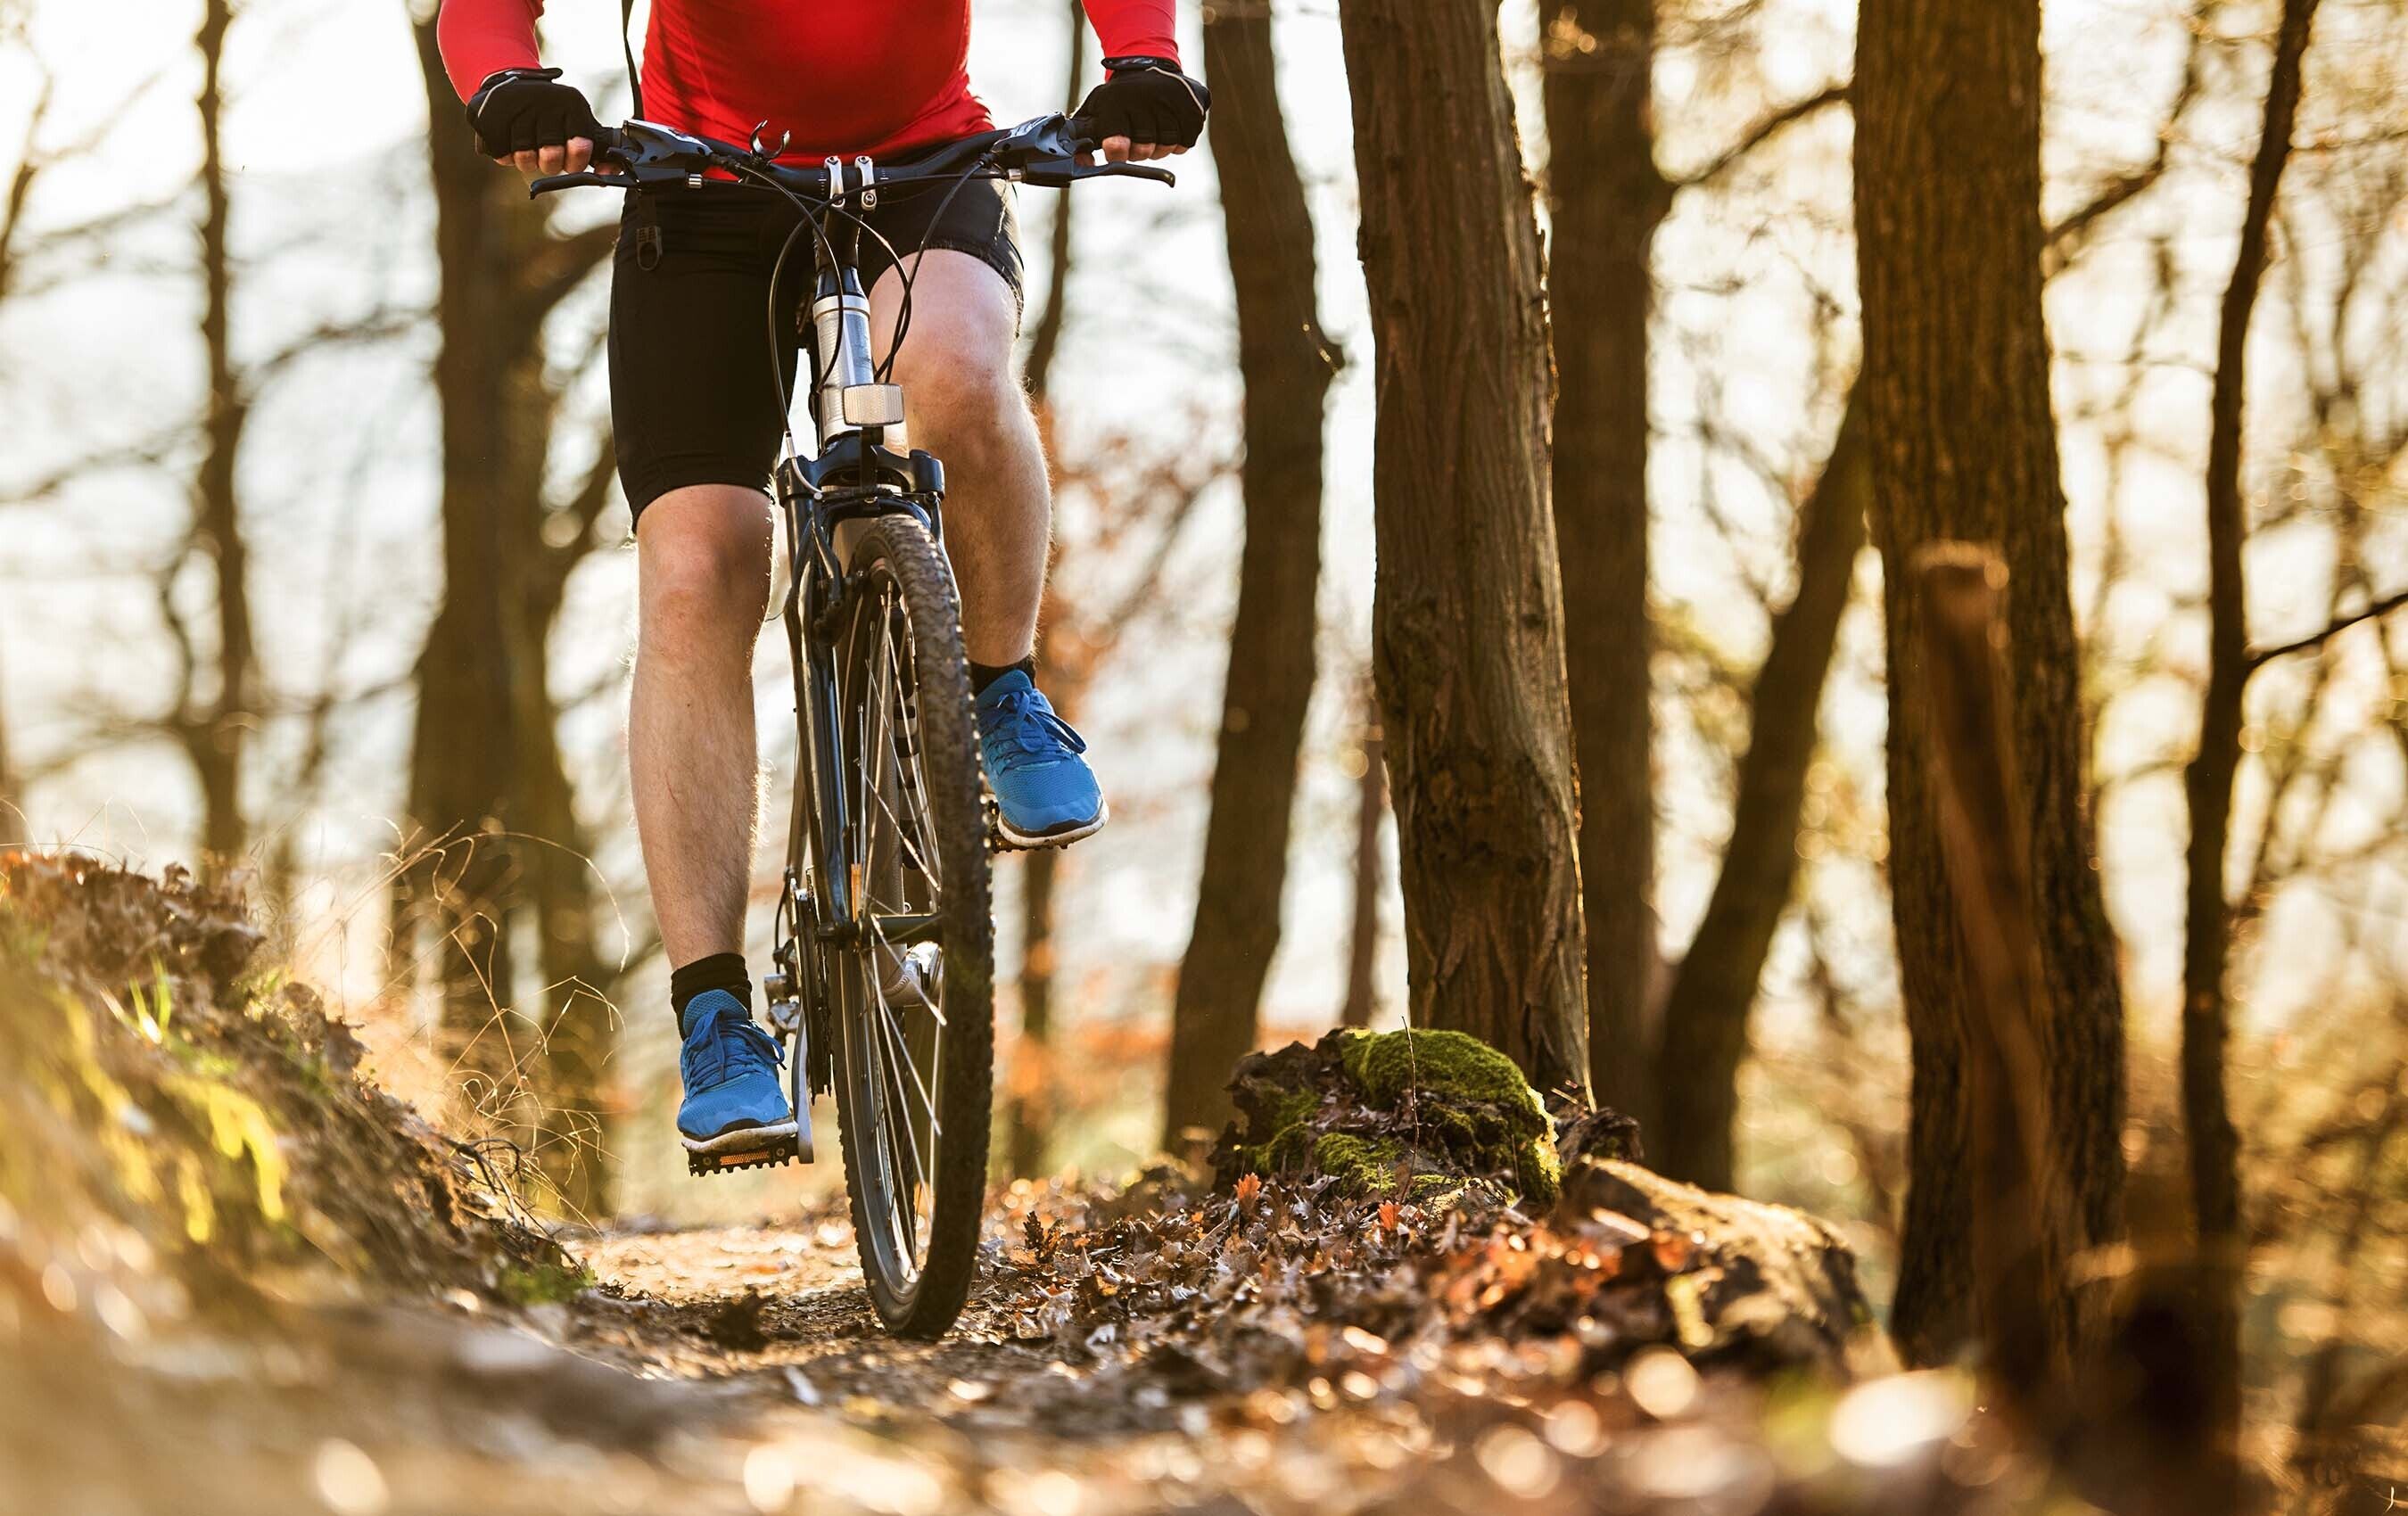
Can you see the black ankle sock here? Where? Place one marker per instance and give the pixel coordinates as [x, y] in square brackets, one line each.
[720, 971]
[982, 675]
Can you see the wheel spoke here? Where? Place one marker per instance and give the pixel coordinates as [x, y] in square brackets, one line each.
[901, 1205]
[901, 1045]
[900, 1143]
[903, 836]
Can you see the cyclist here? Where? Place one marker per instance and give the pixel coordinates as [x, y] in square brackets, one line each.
[696, 430]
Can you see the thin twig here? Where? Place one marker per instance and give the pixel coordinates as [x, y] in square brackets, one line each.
[2259, 657]
[1762, 132]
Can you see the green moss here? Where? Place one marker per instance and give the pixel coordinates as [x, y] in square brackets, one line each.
[1290, 1145]
[1388, 1064]
[1465, 1097]
[544, 1283]
[1363, 1166]
[1359, 1107]
[1539, 1170]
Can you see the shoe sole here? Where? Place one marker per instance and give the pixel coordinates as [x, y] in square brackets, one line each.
[747, 1147]
[1037, 841]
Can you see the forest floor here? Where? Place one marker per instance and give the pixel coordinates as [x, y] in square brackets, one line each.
[741, 1370]
[237, 1276]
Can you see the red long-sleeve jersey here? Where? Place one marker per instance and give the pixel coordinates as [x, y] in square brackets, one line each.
[844, 76]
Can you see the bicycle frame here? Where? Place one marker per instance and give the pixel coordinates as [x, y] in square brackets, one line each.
[852, 476]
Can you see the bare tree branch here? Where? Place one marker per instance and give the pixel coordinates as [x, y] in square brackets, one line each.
[2259, 657]
[2067, 237]
[1763, 131]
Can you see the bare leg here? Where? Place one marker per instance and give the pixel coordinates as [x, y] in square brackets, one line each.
[965, 406]
[703, 566]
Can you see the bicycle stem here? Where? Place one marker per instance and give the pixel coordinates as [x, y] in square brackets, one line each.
[841, 346]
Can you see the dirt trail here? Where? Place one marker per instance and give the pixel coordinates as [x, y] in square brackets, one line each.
[739, 1370]
[776, 1319]
[735, 1371]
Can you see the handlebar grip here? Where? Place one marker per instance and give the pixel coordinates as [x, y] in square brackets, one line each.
[563, 182]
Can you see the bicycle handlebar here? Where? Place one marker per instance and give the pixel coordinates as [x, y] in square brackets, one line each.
[1047, 151]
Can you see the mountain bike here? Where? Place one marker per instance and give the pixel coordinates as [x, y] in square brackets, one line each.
[883, 993]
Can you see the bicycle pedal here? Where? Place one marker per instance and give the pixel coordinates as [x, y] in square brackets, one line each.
[768, 1154]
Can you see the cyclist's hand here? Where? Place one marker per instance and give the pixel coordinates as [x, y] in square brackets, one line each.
[526, 118]
[1145, 108]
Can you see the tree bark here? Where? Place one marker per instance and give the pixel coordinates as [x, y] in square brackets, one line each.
[1217, 1010]
[1964, 446]
[2208, 780]
[1468, 619]
[1371, 874]
[2022, 1226]
[1608, 200]
[1705, 1015]
[214, 731]
[578, 1031]
[1029, 1122]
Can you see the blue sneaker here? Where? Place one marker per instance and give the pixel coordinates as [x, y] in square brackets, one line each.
[1045, 794]
[735, 1114]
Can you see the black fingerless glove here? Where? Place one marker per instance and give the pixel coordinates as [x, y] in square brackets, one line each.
[1146, 100]
[520, 109]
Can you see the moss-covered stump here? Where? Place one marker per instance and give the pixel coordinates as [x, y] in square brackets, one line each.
[1761, 1283]
[1418, 1115]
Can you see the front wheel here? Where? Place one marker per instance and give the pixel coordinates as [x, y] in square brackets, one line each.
[913, 978]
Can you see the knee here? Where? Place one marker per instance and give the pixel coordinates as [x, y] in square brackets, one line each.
[704, 564]
[964, 400]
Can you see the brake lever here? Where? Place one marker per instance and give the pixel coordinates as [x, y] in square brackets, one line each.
[586, 176]
[1058, 173]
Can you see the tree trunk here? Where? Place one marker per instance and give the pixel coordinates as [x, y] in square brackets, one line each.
[214, 733]
[1964, 446]
[1371, 874]
[1705, 1015]
[1468, 620]
[1608, 200]
[578, 1032]
[2022, 1232]
[2207, 1118]
[1217, 1010]
[1031, 1116]
[462, 744]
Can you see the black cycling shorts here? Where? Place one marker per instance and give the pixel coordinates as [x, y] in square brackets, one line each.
[690, 395]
